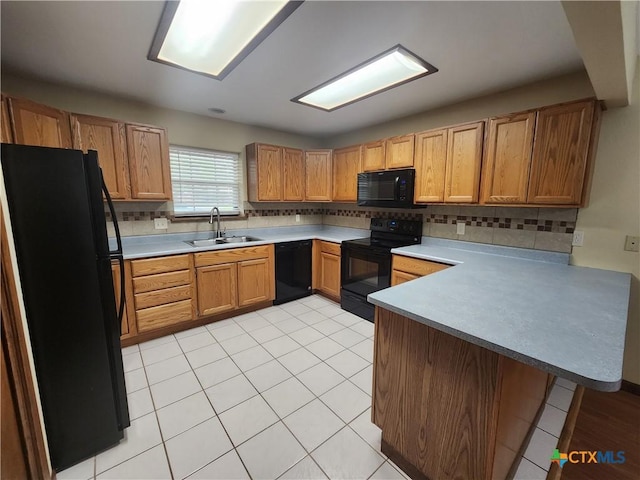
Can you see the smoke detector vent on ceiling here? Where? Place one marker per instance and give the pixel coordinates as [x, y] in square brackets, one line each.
[216, 110]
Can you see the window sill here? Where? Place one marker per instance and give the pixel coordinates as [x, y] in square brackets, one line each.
[200, 218]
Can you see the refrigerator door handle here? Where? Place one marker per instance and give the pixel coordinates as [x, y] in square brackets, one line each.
[118, 251]
[122, 298]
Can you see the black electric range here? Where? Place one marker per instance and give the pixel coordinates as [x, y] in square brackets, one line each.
[366, 262]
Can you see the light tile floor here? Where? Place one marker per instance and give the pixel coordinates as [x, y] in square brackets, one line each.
[284, 392]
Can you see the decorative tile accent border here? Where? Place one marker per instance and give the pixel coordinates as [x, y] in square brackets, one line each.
[539, 225]
[284, 212]
[372, 213]
[138, 216]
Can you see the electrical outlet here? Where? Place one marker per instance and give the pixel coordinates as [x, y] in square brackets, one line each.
[460, 228]
[160, 223]
[578, 238]
[297, 218]
[631, 243]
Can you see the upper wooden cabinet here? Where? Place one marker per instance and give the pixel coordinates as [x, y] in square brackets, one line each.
[560, 154]
[275, 173]
[346, 166]
[447, 163]
[505, 171]
[149, 168]
[39, 125]
[399, 151]
[373, 156]
[5, 128]
[464, 156]
[430, 164]
[293, 174]
[107, 137]
[318, 175]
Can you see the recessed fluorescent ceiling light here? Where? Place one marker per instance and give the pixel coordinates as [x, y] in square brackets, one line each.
[382, 72]
[211, 37]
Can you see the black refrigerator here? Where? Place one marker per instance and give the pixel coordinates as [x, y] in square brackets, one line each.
[59, 227]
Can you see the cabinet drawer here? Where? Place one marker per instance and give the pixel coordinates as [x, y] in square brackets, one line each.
[162, 297]
[328, 247]
[231, 255]
[416, 267]
[162, 280]
[152, 266]
[155, 317]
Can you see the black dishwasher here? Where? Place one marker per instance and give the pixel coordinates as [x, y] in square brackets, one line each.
[293, 271]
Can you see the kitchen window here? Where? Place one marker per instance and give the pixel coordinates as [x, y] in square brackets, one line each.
[203, 179]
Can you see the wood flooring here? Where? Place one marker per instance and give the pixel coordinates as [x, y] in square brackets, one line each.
[607, 421]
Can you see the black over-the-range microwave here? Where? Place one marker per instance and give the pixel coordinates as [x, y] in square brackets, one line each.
[389, 188]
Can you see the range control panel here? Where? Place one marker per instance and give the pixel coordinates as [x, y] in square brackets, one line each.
[392, 225]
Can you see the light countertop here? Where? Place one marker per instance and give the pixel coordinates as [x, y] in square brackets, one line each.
[527, 305]
[171, 244]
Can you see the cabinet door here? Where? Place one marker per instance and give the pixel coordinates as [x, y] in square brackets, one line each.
[39, 125]
[399, 152]
[464, 155]
[293, 174]
[346, 166]
[329, 278]
[398, 277]
[318, 175]
[505, 171]
[5, 128]
[217, 288]
[253, 282]
[560, 153]
[107, 137]
[269, 159]
[373, 157]
[430, 161]
[149, 162]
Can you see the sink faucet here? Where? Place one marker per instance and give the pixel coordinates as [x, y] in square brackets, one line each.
[215, 209]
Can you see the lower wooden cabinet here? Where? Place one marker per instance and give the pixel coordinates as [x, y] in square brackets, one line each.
[326, 268]
[405, 269]
[236, 278]
[163, 291]
[220, 284]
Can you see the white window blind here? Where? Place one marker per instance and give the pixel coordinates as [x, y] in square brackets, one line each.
[203, 179]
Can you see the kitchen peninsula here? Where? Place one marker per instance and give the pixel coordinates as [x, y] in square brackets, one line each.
[463, 356]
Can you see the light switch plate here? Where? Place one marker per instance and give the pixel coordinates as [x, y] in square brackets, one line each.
[160, 223]
[578, 238]
[631, 243]
[460, 228]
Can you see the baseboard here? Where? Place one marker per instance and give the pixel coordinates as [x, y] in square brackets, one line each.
[630, 387]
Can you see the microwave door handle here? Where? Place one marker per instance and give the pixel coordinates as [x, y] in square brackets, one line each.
[396, 188]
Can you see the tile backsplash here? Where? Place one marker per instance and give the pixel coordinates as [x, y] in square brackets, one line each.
[538, 228]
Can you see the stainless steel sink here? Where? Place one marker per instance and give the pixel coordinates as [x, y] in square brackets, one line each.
[217, 241]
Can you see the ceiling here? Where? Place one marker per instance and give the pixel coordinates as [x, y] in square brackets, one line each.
[479, 48]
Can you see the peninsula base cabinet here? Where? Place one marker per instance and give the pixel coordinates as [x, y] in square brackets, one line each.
[405, 269]
[449, 409]
[231, 279]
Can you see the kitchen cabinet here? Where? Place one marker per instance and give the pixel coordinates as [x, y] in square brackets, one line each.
[108, 138]
[264, 172]
[464, 156]
[405, 269]
[36, 124]
[275, 173]
[5, 128]
[430, 164]
[164, 291]
[293, 174]
[447, 163]
[560, 154]
[318, 175]
[399, 152]
[346, 166]
[234, 278]
[326, 269]
[505, 171]
[373, 156]
[149, 168]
